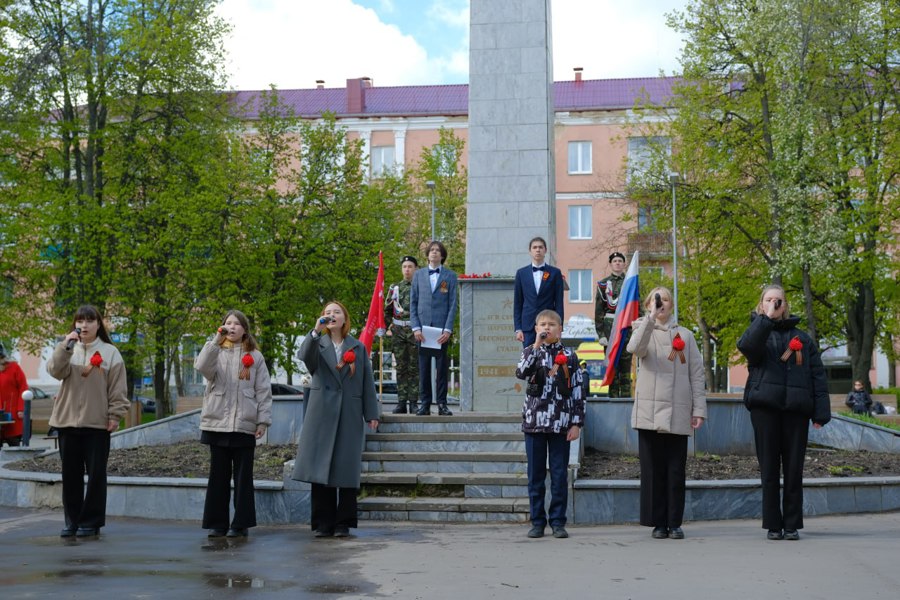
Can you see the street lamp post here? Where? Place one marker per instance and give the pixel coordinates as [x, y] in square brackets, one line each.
[674, 178]
[430, 185]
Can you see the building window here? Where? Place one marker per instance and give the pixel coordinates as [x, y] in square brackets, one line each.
[579, 158]
[580, 285]
[579, 222]
[642, 151]
[382, 160]
[645, 218]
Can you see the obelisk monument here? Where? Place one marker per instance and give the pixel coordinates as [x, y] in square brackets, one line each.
[511, 187]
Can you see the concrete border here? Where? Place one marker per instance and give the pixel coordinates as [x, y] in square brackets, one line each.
[594, 502]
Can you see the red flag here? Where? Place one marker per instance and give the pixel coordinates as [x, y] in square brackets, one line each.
[375, 322]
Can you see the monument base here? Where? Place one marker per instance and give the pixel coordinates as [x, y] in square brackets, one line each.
[488, 349]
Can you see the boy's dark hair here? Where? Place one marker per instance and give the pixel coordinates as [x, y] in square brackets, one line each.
[549, 312]
[537, 239]
[440, 247]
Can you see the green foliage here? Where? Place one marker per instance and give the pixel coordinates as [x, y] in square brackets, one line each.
[785, 130]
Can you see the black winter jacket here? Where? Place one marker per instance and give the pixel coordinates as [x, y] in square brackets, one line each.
[784, 385]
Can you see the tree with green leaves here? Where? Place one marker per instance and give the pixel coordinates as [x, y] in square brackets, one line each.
[785, 130]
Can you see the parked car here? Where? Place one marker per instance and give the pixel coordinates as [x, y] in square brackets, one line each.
[283, 392]
[39, 394]
[148, 405]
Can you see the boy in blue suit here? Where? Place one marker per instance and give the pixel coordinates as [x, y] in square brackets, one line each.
[433, 303]
[538, 287]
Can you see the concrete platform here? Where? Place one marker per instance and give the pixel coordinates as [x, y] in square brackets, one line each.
[836, 557]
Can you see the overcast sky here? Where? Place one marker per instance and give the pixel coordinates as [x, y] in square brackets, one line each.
[291, 43]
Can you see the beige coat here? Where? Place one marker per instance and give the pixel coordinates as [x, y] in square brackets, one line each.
[92, 400]
[668, 393]
[231, 404]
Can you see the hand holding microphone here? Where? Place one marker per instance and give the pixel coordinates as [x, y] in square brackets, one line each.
[323, 323]
[73, 337]
[223, 331]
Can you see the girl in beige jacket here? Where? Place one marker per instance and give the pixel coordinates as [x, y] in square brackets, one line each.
[669, 403]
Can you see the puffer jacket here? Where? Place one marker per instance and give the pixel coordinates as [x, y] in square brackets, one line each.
[779, 384]
[668, 392]
[92, 400]
[231, 404]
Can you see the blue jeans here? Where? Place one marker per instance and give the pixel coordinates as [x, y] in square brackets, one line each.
[538, 447]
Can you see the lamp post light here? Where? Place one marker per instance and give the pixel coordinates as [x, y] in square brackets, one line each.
[674, 178]
[430, 185]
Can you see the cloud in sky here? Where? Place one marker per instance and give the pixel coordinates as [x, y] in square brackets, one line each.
[291, 43]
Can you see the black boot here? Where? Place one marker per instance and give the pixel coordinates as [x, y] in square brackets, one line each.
[413, 407]
[400, 409]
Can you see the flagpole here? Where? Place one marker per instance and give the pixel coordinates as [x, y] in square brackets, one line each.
[380, 367]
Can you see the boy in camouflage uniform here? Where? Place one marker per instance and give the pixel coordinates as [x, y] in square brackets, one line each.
[403, 342]
[605, 303]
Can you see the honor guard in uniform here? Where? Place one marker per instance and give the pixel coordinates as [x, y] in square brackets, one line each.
[403, 342]
[607, 299]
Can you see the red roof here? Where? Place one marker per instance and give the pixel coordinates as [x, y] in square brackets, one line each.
[453, 100]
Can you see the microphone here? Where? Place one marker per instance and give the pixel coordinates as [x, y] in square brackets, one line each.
[223, 331]
[71, 343]
[777, 303]
[326, 320]
[544, 335]
[658, 301]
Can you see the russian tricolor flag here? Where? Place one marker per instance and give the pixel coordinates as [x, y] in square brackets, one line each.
[627, 311]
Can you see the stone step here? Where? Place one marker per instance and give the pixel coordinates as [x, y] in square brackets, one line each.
[446, 510]
[475, 485]
[465, 423]
[445, 442]
[445, 462]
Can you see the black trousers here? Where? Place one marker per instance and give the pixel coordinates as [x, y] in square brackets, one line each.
[225, 462]
[663, 461]
[332, 507]
[84, 451]
[780, 438]
[442, 372]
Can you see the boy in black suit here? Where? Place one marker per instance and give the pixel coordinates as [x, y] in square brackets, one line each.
[538, 287]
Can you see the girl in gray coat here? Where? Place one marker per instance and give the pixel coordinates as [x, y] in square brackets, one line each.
[237, 410]
[341, 399]
[669, 403]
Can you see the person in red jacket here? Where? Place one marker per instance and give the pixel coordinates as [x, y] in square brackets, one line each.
[12, 384]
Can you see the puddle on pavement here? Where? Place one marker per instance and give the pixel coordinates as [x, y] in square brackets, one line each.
[218, 580]
[332, 588]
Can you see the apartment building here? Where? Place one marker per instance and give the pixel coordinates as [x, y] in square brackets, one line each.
[597, 142]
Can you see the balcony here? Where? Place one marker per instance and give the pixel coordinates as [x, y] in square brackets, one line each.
[653, 245]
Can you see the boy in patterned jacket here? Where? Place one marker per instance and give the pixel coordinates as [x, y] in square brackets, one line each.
[552, 417]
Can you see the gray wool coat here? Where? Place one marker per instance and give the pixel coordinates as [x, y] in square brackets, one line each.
[338, 407]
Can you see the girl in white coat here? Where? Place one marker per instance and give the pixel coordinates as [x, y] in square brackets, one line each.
[669, 403]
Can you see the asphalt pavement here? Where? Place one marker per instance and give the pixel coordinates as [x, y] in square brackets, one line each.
[836, 558]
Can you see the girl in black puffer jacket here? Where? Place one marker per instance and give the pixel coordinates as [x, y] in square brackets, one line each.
[785, 390]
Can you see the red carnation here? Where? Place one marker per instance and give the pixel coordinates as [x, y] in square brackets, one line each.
[95, 361]
[349, 358]
[560, 359]
[677, 348]
[794, 347]
[247, 361]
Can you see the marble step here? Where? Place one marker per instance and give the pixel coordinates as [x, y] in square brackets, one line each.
[475, 485]
[445, 442]
[445, 462]
[458, 423]
[445, 510]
